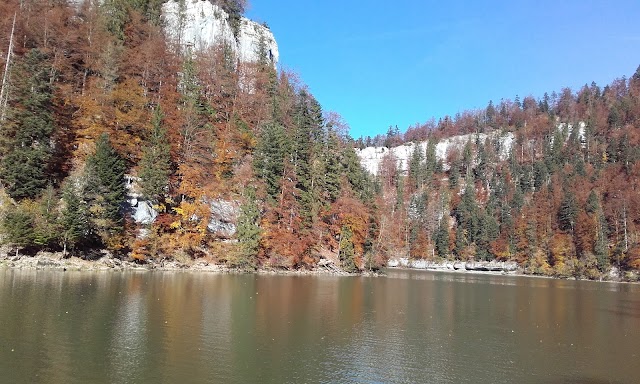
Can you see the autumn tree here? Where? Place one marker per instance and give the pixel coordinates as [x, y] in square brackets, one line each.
[347, 251]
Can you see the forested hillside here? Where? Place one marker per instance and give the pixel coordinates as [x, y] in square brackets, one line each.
[564, 200]
[102, 117]
[100, 114]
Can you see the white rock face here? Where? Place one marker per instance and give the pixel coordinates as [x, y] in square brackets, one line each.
[371, 157]
[143, 212]
[224, 216]
[200, 24]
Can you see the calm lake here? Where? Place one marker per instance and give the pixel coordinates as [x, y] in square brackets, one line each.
[407, 327]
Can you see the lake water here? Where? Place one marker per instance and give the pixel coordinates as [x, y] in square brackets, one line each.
[407, 327]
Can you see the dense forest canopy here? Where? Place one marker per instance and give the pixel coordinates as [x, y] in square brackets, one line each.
[100, 115]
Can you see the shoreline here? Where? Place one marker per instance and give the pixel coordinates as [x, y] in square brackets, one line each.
[47, 261]
[55, 262]
[519, 273]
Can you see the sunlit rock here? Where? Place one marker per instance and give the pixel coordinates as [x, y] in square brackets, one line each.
[199, 24]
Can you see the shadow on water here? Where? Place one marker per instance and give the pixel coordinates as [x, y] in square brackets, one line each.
[626, 312]
[626, 308]
[581, 380]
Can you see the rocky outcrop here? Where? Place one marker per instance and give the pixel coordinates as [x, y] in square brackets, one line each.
[199, 24]
[476, 266]
[222, 222]
[224, 216]
[371, 157]
[143, 212]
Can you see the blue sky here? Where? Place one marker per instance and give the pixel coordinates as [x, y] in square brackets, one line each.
[401, 62]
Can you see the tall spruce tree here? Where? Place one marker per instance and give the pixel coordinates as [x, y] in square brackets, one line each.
[441, 238]
[431, 160]
[73, 219]
[568, 212]
[468, 214]
[417, 171]
[333, 167]
[115, 16]
[18, 228]
[249, 232]
[308, 131]
[600, 246]
[271, 151]
[106, 188]
[155, 162]
[26, 135]
[357, 177]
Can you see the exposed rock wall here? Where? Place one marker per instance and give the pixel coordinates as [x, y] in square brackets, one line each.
[199, 24]
[371, 157]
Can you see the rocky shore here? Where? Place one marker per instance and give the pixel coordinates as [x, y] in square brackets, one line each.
[502, 268]
[505, 267]
[56, 262]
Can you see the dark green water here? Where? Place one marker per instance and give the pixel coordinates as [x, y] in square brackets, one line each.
[408, 327]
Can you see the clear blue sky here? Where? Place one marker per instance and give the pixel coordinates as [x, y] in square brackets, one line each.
[400, 62]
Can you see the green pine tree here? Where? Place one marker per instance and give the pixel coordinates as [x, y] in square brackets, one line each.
[359, 180]
[417, 171]
[568, 212]
[47, 229]
[468, 213]
[309, 124]
[431, 160]
[271, 151]
[249, 232]
[26, 136]
[106, 188]
[155, 162]
[441, 238]
[18, 227]
[73, 219]
[115, 14]
[333, 167]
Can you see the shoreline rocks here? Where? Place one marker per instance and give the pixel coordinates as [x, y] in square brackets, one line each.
[501, 268]
[55, 262]
[477, 266]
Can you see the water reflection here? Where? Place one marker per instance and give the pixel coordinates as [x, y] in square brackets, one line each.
[405, 328]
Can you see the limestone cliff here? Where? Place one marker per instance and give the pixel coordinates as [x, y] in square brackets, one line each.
[199, 24]
[371, 157]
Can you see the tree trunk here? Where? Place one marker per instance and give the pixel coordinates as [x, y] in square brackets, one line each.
[4, 94]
